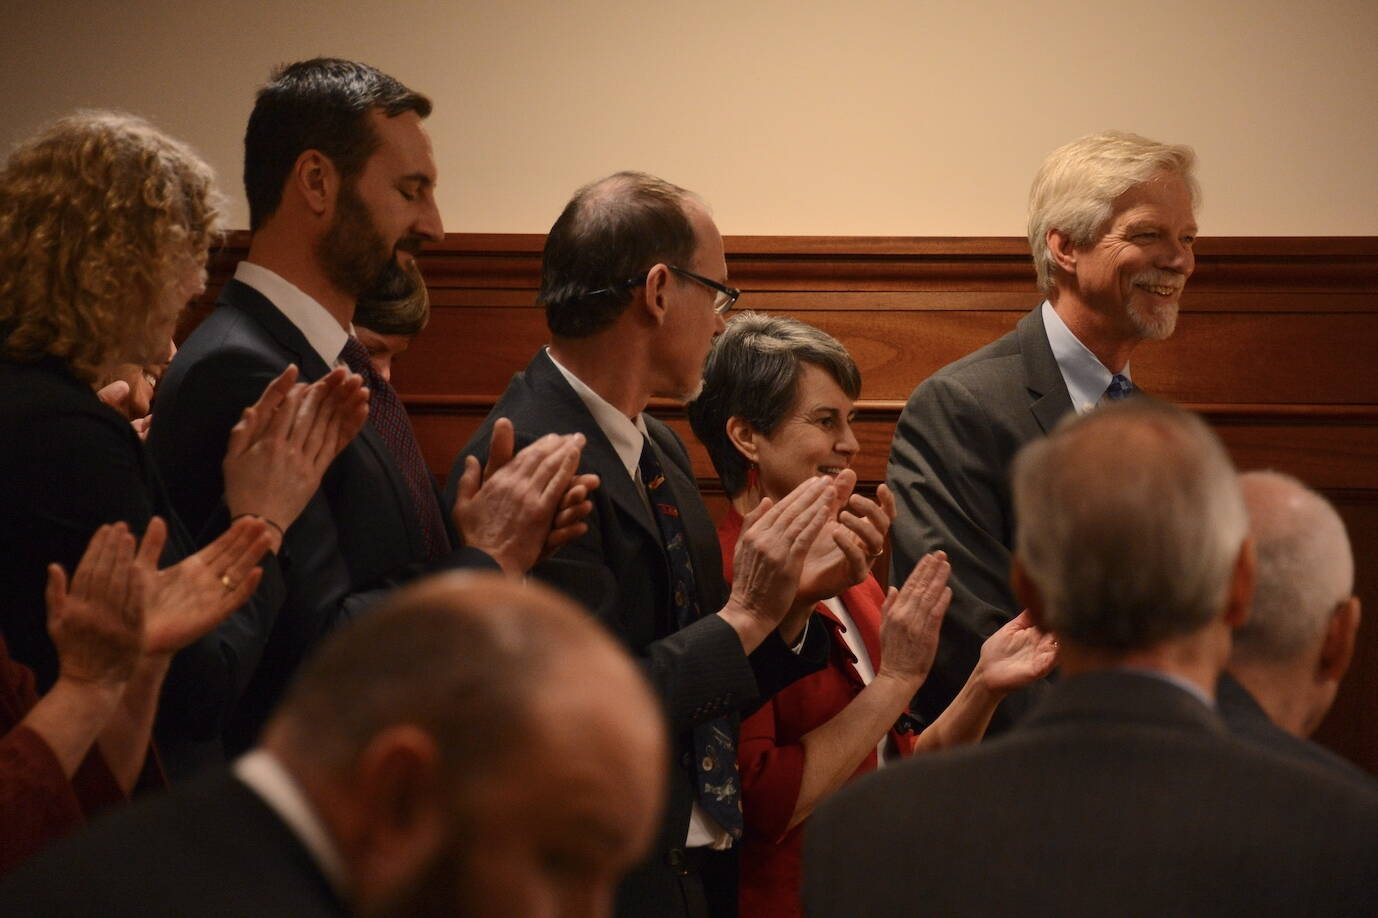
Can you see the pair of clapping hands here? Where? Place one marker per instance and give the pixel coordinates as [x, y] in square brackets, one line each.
[822, 539]
[817, 541]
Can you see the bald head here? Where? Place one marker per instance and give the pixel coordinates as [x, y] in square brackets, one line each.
[1305, 568]
[1130, 525]
[472, 743]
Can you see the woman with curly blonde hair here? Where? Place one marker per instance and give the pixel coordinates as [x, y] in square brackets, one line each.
[105, 227]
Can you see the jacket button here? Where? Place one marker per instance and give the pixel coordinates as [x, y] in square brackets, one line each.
[687, 759]
[677, 862]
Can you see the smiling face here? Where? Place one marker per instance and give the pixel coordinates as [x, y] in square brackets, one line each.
[384, 214]
[815, 437]
[1134, 274]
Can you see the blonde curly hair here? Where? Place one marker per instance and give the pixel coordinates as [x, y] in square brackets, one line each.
[100, 214]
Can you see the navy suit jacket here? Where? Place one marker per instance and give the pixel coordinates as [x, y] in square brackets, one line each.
[357, 538]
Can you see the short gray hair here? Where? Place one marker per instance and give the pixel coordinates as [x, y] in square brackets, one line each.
[1077, 185]
[1129, 522]
[1305, 568]
[752, 372]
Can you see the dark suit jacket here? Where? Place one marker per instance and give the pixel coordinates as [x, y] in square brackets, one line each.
[357, 537]
[209, 848]
[70, 465]
[1250, 722]
[619, 570]
[949, 471]
[1120, 794]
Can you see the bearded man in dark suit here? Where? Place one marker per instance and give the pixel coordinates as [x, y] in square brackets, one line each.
[340, 181]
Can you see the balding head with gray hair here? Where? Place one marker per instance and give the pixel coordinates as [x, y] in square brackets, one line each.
[1130, 525]
[1305, 568]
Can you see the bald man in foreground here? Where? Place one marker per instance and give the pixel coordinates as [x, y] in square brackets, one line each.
[473, 747]
[1295, 647]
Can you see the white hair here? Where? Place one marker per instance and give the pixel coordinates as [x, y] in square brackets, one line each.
[1305, 568]
[1077, 186]
[1129, 522]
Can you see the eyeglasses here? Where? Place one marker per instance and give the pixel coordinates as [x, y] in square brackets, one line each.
[725, 297]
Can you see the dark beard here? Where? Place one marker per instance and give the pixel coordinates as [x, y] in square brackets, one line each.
[357, 259]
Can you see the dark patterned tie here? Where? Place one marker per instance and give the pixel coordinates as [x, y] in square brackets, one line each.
[715, 742]
[389, 418]
[1120, 387]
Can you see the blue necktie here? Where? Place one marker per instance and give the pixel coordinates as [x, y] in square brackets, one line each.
[715, 742]
[1120, 387]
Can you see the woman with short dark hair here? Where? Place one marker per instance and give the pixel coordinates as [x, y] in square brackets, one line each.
[777, 407]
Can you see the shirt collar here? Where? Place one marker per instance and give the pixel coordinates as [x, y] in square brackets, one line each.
[627, 435]
[266, 777]
[1085, 376]
[313, 320]
[1186, 685]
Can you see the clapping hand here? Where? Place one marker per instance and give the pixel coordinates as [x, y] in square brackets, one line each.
[97, 623]
[1016, 655]
[847, 546]
[520, 508]
[775, 540]
[286, 440]
[188, 599]
[910, 619]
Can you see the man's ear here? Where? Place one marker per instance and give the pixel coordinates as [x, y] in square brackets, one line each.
[1026, 591]
[399, 791]
[1241, 589]
[743, 436]
[1062, 250]
[1337, 649]
[316, 181]
[656, 291]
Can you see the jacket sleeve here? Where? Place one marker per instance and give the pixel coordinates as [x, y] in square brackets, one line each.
[948, 474]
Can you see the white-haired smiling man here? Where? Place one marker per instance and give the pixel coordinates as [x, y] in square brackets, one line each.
[1111, 224]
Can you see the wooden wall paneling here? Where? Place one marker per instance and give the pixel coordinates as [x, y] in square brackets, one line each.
[1274, 346]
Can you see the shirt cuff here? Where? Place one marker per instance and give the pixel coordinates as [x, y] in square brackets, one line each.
[798, 646]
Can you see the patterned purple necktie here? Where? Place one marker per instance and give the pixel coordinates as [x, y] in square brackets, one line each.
[715, 742]
[1120, 387]
[389, 418]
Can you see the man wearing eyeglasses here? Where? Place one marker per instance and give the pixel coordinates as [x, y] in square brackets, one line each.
[634, 285]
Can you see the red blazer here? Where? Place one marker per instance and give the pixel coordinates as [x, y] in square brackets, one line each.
[771, 757]
[38, 805]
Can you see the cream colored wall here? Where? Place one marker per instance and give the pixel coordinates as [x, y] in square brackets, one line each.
[867, 117]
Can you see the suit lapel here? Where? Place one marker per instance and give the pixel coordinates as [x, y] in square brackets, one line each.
[1041, 374]
[241, 296]
[598, 457]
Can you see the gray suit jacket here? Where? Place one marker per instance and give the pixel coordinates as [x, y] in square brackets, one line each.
[1120, 794]
[949, 471]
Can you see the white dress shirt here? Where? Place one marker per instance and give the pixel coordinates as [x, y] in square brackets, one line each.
[1086, 377]
[313, 320]
[266, 777]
